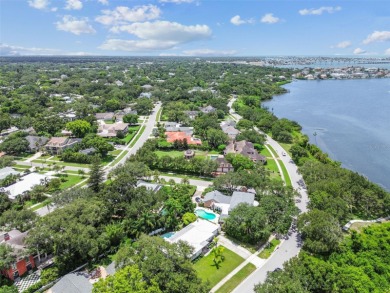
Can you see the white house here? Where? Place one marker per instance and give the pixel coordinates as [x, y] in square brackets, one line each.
[198, 234]
[26, 183]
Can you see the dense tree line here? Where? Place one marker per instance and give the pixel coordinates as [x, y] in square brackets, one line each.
[360, 265]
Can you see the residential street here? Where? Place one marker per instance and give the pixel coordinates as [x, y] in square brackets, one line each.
[290, 247]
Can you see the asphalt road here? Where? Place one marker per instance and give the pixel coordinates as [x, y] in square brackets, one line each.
[289, 247]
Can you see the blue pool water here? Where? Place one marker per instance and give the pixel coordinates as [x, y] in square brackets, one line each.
[168, 235]
[205, 215]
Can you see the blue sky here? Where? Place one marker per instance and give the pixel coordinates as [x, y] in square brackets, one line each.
[194, 27]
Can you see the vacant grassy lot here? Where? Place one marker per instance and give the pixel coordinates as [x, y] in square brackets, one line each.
[208, 272]
[241, 275]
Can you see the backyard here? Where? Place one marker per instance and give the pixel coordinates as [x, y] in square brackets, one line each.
[175, 154]
[208, 272]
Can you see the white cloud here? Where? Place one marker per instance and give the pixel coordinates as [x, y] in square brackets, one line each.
[319, 11]
[270, 18]
[377, 36]
[165, 30]
[104, 2]
[123, 14]
[75, 26]
[209, 52]
[343, 45]
[158, 35]
[39, 4]
[359, 51]
[176, 1]
[387, 52]
[73, 5]
[10, 50]
[236, 20]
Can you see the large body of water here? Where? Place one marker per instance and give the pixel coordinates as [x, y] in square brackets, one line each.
[351, 119]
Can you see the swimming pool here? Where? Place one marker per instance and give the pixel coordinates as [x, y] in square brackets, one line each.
[205, 215]
[168, 235]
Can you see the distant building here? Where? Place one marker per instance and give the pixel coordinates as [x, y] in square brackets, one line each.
[57, 145]
[178, 135]
[246, 149]
[112, 130]
[35, 143]
[89, 151]
[191, 114]
[24, 262]
[104, 116]
[208, 109]
[230, 131]
[223, 165]
[189, 154]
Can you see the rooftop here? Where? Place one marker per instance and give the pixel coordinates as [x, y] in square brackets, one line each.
[4, 172]
[25, 184]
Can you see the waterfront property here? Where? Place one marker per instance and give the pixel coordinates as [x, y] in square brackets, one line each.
[246, 149]
[198, 234]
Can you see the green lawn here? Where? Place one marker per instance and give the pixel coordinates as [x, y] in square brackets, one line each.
[42, 204]
[186, 176]
[71, 181]
[285, 174]
[109, 121]
[266, 153]
[158, 116]
[173, 154]
[208, 272]
[118, 158]
[115, 153]
[273, 151]
[132, 132]
[271, 165]
[266, 253]
[241, 275]
[138, 136]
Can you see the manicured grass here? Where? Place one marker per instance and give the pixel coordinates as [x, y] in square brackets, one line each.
[138, 136]
[21, 167]
[158, 116]
[42, 204]
[266, 153]
[241, 275]
[266, 253]
[118, 158]
[115, 153]
[109, 121]
[173, 154]
[271, 165]
[285, 173]
[132, 132]
[286, 147]
[186, 176]
[71, 181]
[208, 272]
[272, 150]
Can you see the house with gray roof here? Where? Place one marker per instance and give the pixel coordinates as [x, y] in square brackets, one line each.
[77, 282]
[208, 109]
[35, 143]
[224, 204]
[246, 149]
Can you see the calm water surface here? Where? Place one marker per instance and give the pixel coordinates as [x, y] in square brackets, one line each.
[351, 119]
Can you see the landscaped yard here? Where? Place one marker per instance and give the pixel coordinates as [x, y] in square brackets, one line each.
[266, 253]
[208, 272]
[174, 154]
[71, 181]
[230, 285]
[271, 165]
[266, 153]
[132, 131]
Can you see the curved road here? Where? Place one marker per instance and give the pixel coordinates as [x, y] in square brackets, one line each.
[290, 247]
